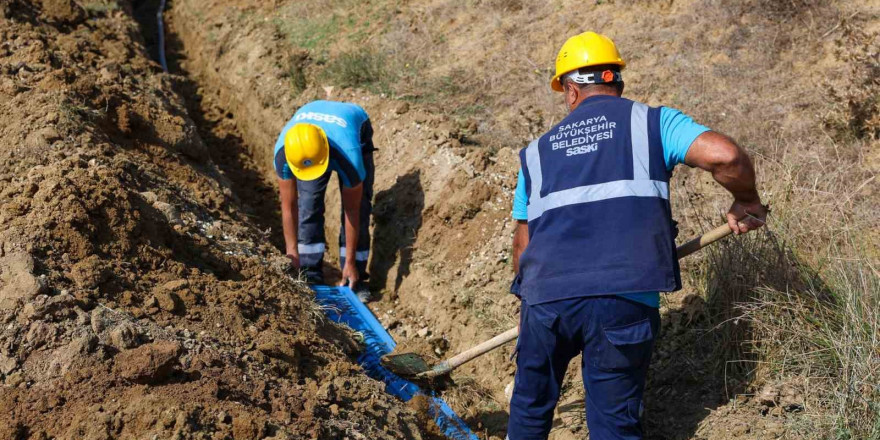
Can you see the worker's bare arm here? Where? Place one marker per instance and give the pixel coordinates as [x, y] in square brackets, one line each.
[520, 241]
[289, 217]
[351, 206]
[731, 168]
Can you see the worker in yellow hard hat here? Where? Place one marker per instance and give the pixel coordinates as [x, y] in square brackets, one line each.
[322, 137]
[307, 151]
[595, 241]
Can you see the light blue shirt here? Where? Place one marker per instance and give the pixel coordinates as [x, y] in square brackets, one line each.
[677, 132]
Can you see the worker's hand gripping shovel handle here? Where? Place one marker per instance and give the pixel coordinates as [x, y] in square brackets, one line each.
[459, 359]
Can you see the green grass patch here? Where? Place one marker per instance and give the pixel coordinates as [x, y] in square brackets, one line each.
[313, 33]
[365, 68]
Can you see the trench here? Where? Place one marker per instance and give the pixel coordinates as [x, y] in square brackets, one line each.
[250, 187]
[397, 215]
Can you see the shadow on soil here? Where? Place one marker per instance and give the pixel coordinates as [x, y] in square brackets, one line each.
[489, 423]
[397, 215]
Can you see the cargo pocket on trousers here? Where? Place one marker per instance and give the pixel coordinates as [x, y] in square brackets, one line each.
[627, 346]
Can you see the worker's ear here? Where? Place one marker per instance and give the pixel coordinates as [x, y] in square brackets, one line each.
[572, 93]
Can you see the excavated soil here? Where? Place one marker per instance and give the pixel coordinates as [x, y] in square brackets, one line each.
[139, 298]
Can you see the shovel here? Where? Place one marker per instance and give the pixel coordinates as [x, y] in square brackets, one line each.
[414, 366]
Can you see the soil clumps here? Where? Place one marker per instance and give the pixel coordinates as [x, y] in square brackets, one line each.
[137, 297]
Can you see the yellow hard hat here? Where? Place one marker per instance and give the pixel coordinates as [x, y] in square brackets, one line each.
[584, 50]
[307, 151]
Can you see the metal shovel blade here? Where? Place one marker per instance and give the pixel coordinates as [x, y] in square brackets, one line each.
[405, 364]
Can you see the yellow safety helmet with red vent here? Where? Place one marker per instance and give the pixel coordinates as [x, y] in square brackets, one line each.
[585, 50]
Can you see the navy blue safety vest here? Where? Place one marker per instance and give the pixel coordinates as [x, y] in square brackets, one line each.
[598, 205]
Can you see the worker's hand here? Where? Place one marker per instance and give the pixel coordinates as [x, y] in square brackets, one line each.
[294, 259]
[349, 275]
[746, 216]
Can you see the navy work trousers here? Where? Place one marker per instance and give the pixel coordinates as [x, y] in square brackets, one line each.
[616, 337]
[310, 237]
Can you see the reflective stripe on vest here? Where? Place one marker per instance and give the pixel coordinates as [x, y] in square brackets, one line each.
[640, 186]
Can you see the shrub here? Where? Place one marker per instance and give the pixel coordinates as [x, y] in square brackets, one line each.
[364, 68]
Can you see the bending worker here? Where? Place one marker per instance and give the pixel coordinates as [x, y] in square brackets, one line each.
[595, 240]
[326, 136]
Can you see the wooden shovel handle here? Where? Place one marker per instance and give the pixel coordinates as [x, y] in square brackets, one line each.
[465, 356]
[471, 353]
[703, 241]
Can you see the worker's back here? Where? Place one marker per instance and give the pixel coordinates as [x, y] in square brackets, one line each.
[598, 205]
[595, 240]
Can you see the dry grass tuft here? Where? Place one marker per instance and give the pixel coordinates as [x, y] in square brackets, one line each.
[733, 270]
[780, 319]
[828, 334]
[785, 8]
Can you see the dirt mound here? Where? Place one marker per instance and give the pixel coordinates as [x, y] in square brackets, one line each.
[137, 298]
